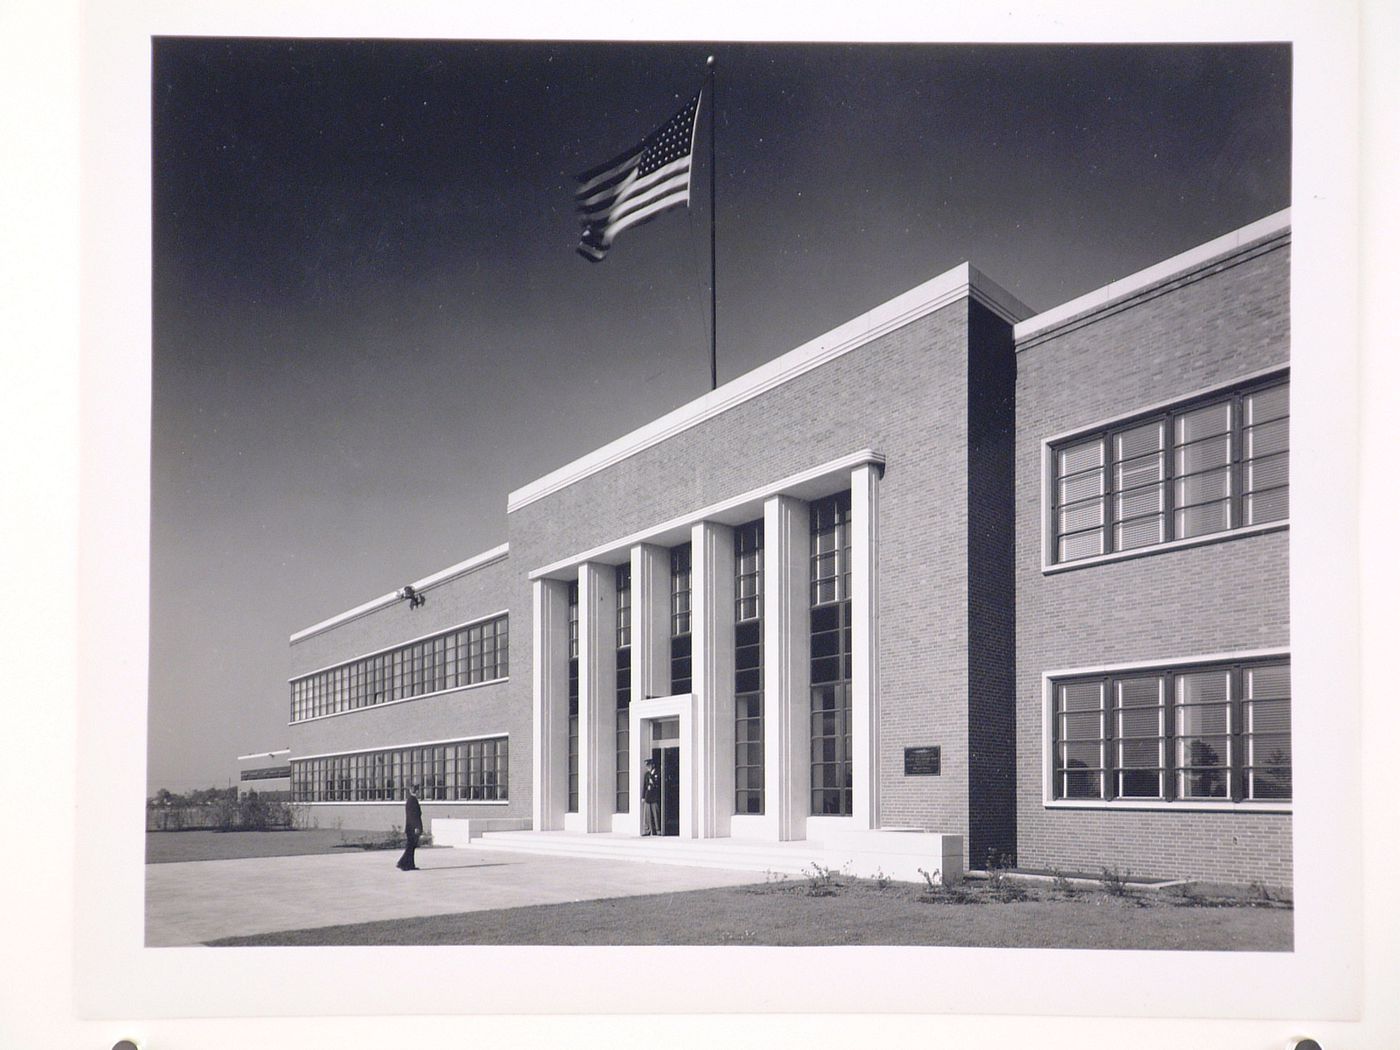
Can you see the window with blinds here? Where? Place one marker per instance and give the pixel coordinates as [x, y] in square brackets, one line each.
[1204, 468]
[1212, 733]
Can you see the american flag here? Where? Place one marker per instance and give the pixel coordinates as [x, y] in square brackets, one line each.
[638, 185]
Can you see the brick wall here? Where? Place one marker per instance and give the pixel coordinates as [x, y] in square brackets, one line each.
[1227, 321]
[991, 610]
[905, 395]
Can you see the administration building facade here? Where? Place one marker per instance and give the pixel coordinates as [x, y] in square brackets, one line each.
[952, 569]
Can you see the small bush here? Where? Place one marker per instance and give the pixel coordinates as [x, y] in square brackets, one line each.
[1114, 882]
[1259, 893]
[821, 882]
[882, 881]
[938, 892]
[1060, 884]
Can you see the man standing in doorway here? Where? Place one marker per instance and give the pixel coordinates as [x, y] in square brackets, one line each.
[651, 800]
[412, 828]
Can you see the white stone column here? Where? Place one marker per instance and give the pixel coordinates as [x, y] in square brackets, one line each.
[597, 694]
[651, 655]
[712, 676]
[787, 671]
[651, 621]
[865, 635]
[550, 674]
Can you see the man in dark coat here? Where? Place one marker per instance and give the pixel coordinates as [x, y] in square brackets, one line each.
[412, 827]
[651, 800]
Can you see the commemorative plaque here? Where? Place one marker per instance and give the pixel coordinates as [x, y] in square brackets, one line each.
[921, 762]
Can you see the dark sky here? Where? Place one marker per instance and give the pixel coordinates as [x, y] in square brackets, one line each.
[370, 323]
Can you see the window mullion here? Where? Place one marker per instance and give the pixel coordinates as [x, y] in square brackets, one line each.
[1108, 488]
[1237, 733]
[1109, 790]
[1169, 731]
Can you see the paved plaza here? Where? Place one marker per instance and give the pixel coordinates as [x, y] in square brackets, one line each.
[199, 901]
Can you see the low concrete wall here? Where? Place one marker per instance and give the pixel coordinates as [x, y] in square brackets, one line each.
[902, 855]
[459, 831]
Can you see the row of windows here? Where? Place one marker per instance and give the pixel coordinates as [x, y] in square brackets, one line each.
[479, 653]
[680, 619]
[831, 655]
[748, 668]
[624, 685]
[1202, 733]
[466, 771]
[572, 804]
[1206, 467]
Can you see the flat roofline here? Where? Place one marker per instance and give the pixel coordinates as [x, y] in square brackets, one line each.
[265, 754]
[477, 561]
[962, 281]
[1188, 260]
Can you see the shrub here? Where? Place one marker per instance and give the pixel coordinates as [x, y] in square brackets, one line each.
[1061, 884]
[821, 882]
[882, 881]
[1115, 882]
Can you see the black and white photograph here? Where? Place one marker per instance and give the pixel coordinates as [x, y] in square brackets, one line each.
[847, 599]
[640, 523]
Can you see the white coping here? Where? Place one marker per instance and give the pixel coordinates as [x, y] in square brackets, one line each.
[265, 754]
[398, 747]
[714, 510]
[475, 562]
[1136, 282]
[963, 281]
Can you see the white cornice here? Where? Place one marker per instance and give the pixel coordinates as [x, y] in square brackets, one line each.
[961, 282]
[264, 754]
[1177, 265]
[478, 561]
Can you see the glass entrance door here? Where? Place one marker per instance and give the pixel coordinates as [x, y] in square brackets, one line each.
[666, 750]
[670, 790]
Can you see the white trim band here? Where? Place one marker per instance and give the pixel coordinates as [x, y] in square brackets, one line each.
[478, 561]
[400, 747]
[1162, 271]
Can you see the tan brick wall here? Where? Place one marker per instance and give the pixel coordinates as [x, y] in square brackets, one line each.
[905, 395]
[1220, 597]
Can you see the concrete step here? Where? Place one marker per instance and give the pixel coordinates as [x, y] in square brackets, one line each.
[780, 858]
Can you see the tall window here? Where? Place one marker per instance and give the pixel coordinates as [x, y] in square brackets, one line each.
[680, 619]
[1219, 732]
[463, 771]
[831, 655]
[748, 668]
[469, 655]
[624, 679]
[573, 698]
[1206, 467]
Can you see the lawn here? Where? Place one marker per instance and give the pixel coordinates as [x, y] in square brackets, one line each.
[172, 847]
[851, 911]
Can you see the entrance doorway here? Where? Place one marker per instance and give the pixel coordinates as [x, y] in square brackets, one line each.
[666, 750]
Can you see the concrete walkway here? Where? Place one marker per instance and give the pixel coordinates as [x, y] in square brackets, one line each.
[191, 903]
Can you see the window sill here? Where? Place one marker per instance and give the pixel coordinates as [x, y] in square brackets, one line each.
[395, 703]
[422, 801]
[1178, 806]
[1161, 548]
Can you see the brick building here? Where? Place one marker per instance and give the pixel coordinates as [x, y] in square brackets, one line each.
[952, 572]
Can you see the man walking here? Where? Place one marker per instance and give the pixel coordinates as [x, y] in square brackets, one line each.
[412, 827]
[651, 800]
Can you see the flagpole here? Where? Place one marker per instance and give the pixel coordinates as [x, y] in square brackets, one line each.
[714, 373]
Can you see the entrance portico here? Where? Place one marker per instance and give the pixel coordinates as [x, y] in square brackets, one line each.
[679, 615]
